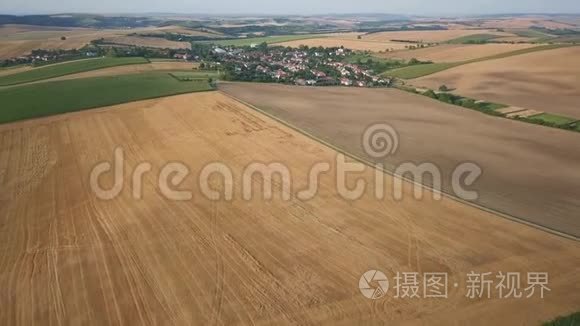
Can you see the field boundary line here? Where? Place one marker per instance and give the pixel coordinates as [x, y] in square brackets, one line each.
[406, 179]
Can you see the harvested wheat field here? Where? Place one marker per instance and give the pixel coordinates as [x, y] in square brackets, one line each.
[545, 81]
[427, 36]
[456, 52]
[69, 256]
[352, 44]
[445, 135]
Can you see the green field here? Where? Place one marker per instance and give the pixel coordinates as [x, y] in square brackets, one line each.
[553, 118]
[191, 75]
[473, 39]
[62, 69]
[572, 320]
[417, 71]
[267, 39]
[531, 33]
[44, 99]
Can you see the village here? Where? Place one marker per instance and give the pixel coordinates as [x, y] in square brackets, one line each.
[303, 66]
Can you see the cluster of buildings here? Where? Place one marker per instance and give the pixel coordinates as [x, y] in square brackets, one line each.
[303, 66]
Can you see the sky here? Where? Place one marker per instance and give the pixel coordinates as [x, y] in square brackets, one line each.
[286, 7]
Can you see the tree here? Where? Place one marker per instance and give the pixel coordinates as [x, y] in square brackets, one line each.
[444, 88]
[63, 38]
[430, 94]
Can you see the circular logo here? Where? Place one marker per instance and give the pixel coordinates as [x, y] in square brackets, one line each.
[380, 140]
[373, 284]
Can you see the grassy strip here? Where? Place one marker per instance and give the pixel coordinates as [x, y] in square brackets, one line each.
[45, 99]
[473, 39]
[192, 75]
[572, 320]
[545, 119]
[553, 118]
[62, 69]
[416, 71]
[267, 39]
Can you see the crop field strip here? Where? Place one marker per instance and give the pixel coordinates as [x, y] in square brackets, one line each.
[234, 262]
[66, 68]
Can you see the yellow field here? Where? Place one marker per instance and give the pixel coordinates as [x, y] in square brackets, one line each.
[456, 52]
[544, 81]
[69, 257]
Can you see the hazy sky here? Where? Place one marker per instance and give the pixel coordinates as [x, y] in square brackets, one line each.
[420, 7]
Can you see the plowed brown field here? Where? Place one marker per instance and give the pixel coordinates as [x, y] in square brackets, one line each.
[67, 257]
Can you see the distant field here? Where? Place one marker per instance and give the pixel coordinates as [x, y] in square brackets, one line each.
[151, 42]
[17, 40]
[352, 44]
[44, 99]
[267, 39]
[428, 36]
[67, 68]
[412, 72]
[473, 39]
[517, 22]
[546, 81]
[455, 52]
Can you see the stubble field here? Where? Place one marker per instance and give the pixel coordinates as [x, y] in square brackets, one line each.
[545, 81]
[68, 256]
[528, 171]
